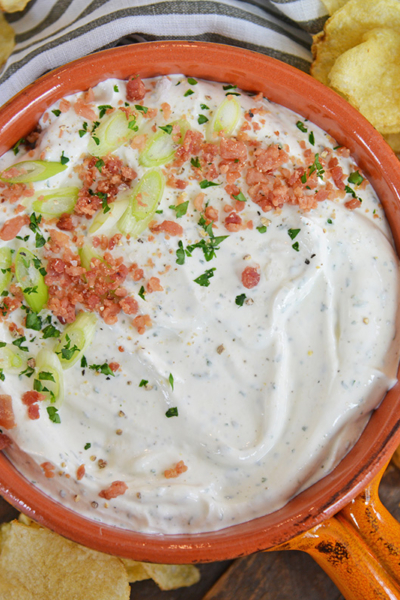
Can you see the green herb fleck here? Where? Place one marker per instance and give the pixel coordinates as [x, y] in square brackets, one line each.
[64, 159]
[240, 197]
[239, 300]
[89, 445]
[172, 412]
[301, 126]
[292, 233]
[171, 381]
[33, 321]
[104, 369]
[46, 376]
[204, 279]
[204, 107]
[103, 109]
[229, 87]
[56, 112]
[195, 162]
[17, 145]
[330, 221]
[206, 184]
[143, 109]
[50, 331]
[311, 139]
[84, 362]
[192, 81]
[202, 119]
[180, 254]
[53, 414]
[188, 93]
[167, 129]
[262, 229]
[180, 209]
[18, 342]
[132, 125]
[29, 371]
[143, 383]
[295, 246]
[67, 352]
[116, 89]
[355, 178]
[142, 293]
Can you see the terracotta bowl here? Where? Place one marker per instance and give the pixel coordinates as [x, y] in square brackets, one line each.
[299, 92]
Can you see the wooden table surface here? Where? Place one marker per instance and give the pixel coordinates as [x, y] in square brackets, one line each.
[263, 576]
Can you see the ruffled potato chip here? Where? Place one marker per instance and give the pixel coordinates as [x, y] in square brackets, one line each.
[38, 564]
[345, 30]
[333, 5]
[368, 76]
[7, 42]
[167, 577]
[13, 5]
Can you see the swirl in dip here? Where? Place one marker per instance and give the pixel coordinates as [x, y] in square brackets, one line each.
[199, 311]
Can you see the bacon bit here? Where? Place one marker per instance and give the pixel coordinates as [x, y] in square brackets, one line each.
[58, 240]
[179, 468]
[199, 201]
[141, 322]
[89, 95]
[211, 213]
[114, 366]
[343, 151]
[80, 472]
[233, 222]
[154, 285]
[135, 89]
[169, 227]
[139, 141]
[270, 158]
[249, 224]
[121, 349]
[84, 110]
[228, 208]
[178, 184]
[31, 397]
[65, 105]
[353, 203]
[114, 241]
[66, 223]
[12, 227]
[250, 277]
[166, 110]
[6, 412]
[48, 469]
[117, 488]
[129, 305]
[33, 412]
[257, 98]
[137, 274]
[232, 149]
[4, 441]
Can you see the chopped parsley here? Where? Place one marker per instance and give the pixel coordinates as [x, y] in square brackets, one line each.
[204, 279]
[83, 130]
[38, 265]
[206, 184]
[2, 376]
[192, 81]
[143, 109]
[172, 412]
[188, 93]
[202, 119]
[116, 89]
[30, 290]
[142, 293]
[292, 233]
[232, 94]
[239, 300]
[89, 445]
[23, 239]
[83, 362]
[39, 239]
[301, 126]
[349, 190]
[105, 206]
[171, 381]
[50, 331]
[64, 159]
[355, 178]
[132, 125]
[229, 87]
[67, 352]
[204, 107]
[46, 376]
[17, 145]
[311, 139]
[53, 414]
[56, 112]
[103, 109]
[180, 209]
[295, 246]
[195, 162]
[33, 321]
[330, 221]
[262, 229]
[180, 254]
[99, 164]
[29, 371]
[167, 129]
[240, 197]
[143, 383]
[18, 342]
[104, 369]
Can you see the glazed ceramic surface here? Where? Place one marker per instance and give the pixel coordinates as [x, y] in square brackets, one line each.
[291, 88]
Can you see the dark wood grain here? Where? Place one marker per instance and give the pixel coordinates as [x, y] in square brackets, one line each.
[264, 576]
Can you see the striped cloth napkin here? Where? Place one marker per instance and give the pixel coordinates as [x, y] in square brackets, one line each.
[50, 33]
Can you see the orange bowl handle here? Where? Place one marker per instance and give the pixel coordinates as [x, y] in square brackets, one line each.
[359, 548]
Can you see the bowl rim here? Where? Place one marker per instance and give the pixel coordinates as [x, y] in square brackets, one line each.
[354, 472]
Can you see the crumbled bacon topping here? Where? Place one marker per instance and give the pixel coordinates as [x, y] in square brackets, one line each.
[179, 468]
[7, 419]
[135, 89]
[250, 277]
[48, 469]
[117, 488]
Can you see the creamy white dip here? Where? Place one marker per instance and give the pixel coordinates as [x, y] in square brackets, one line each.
[270, 394]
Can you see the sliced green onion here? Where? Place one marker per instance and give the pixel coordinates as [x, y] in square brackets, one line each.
[225, 119]
[103, 222]
[5, 268]
[80, 333]
[12, 359]
[32, 170]
[30, 279]
[49, 364]
[57, 202]
[113, 132]
[143, 203]
[86, 254]
[160, 147]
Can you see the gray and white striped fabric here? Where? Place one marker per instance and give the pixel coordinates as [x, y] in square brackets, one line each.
[50, 33]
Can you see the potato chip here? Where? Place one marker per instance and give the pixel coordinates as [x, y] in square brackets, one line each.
[167, 577]
[393, 139]
[345, 29]
[13, 5]
[375, 90]
[333, 5]
[49, 566]
[7, 42]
